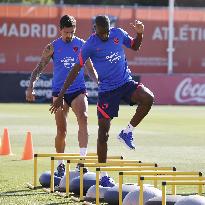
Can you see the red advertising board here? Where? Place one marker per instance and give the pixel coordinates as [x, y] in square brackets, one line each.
[25, 30]
[176, 89]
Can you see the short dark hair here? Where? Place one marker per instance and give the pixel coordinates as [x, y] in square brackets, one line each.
[102, 21]
[67, 21]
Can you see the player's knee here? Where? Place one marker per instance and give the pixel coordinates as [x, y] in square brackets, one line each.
[102, 137]
[61, 133]
[83, 117]
[147, 98]
[102, 140]
[150, 98]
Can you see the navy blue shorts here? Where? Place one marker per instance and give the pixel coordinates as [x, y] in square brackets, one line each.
[71, 96]
[108, 102]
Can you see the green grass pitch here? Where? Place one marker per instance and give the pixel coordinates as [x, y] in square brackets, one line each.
[169, 136]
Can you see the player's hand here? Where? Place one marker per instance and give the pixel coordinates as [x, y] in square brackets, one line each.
[30, 95]
[58, 103]
[138, 26]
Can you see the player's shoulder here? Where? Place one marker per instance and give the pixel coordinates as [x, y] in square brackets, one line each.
[117, 30]
[78, 39]
[55, 41]
[90, 40]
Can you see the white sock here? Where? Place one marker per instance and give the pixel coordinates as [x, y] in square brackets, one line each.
[60, 162]
[102, 174]
[83, 151]
[129, 128]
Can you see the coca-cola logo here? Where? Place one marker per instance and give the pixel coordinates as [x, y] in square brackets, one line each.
[187, 91]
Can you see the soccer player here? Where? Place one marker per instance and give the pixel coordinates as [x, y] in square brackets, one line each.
[105, 49]
[64, 51]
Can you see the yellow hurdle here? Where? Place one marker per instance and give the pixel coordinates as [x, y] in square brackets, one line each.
[121, 163]
[175, 178]
[79, 159]
[43, 155]
[142, 173]
[128, 168]
[164, 183]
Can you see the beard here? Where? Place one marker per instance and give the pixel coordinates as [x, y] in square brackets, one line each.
[68, 40]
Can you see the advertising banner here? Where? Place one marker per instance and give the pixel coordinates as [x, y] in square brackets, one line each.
[13, 87]
[176, 89]
[26, 30]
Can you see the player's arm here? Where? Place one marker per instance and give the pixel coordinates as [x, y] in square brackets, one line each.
[138, 26]
[69, 80]
[45, 58]
[90, 70]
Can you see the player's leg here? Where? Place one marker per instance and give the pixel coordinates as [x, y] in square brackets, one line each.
[108, 106]
[103, 134]
[80, 108]
[143, 97]
[60, 139]
[107, 109]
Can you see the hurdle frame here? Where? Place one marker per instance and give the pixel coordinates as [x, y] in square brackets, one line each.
[137, 168]
[44, 155]
[79, 159]
[165, 183]
[152, 173]
[174, 178]
[111, 163]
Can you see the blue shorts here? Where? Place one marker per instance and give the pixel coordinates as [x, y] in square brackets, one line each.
[71, 96]
[108, 102]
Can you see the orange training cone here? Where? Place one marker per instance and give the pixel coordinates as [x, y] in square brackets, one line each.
[5, 144]
[28, 148]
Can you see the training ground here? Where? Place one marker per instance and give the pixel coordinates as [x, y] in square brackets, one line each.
[169, 136]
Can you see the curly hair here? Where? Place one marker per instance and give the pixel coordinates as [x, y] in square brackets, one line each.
[102, 21]
[67, 21]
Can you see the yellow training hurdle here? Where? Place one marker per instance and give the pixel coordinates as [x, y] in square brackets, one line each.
[109, 163]
[79, 159]
[164, 183]
[175, 178]
[135, 168]
[44, 155]
[142, 173]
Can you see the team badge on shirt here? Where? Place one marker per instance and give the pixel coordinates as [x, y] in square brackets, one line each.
[75, 49]
[116, 40]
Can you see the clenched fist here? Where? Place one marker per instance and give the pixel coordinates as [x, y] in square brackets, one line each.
[138, 26]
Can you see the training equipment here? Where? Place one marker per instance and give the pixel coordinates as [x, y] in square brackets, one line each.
[85, 170]
[133, 197]
[171, 200]
[45, 179]
[107, 181]
[60, 172]
[72, 175]
[89, 179]
[28, 148]
[91, 193]
[5, 144]
[112, 195]
[127, 139]
[191, 200]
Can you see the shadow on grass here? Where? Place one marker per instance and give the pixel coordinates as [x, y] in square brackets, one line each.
[22, 192]
[57, 203]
